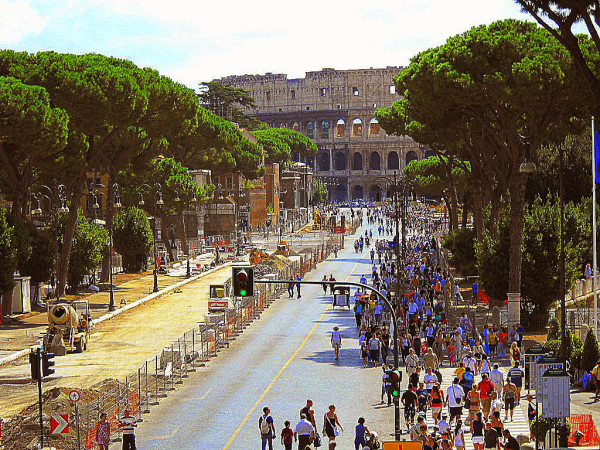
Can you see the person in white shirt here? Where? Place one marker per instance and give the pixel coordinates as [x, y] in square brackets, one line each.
[304, 432]
[430, 379]
[443, 424]
[497, 378]
[412, 362]
[456, 396]
[471, 363]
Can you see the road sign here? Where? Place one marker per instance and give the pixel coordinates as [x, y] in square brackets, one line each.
[339, 230]
[556, 394]
[403, 445]
[217, 305]
[74, 395]
[59, 423]
[340, 300]
[543, 364]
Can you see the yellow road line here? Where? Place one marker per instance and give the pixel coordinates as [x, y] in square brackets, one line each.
[206, 393]
[276, 377]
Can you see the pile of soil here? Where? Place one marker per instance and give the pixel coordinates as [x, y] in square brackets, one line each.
[22, 432]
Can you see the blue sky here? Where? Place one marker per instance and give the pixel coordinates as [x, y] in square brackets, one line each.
[194, 41]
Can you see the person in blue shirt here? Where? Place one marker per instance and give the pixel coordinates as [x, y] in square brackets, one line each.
[361, 431]
[267, 428]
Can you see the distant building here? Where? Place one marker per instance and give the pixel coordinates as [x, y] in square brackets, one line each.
[336, 108]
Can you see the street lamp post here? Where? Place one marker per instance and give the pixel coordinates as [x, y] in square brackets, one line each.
[116, 202]
[158, 201]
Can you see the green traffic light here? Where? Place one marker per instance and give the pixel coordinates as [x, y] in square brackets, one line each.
[395, 393]
[243, 292]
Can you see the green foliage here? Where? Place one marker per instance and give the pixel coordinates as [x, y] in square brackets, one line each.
[42, 261]
[541, 251]
[576, 169]
[8, 254]
[576, 356]
[21, 239]
[281, 144]
[552, 346]
[461, 242]
[553, 329]
[590, 354]
[32, 135]
[541, 425]
[133, 238]
[430, 176]
[270, 209]
[89, 244]
[223, 100]
[320, 192]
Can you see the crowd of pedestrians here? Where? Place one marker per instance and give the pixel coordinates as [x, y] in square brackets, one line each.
[481, 398]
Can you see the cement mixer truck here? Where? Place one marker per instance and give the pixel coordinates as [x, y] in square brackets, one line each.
[69, 327]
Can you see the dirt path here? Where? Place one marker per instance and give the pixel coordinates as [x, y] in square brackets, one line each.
[118, 346]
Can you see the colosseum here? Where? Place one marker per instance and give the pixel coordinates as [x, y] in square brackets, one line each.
[336, 108]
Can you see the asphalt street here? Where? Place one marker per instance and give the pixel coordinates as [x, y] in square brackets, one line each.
[280, 361]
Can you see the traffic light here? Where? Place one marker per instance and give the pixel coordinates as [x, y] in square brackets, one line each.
[47, 364]
[395, 376]
[243, 281]
[34, 362]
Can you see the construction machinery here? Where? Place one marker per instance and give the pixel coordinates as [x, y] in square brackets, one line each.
[257, 255]
[69, 327]
[283, 248]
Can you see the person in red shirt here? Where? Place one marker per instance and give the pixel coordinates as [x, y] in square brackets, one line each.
[485, 394]
[502, 343]
[287, 436]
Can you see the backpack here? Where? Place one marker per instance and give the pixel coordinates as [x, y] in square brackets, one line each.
[265, 427]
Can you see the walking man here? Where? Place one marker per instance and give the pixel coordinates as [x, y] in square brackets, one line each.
[127, 424]
[298, 279]
[267, 428]
[336, 341]
[304, 433]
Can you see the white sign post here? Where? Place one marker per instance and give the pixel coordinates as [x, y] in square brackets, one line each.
[543, 364]
[555, 394]
[75, 396]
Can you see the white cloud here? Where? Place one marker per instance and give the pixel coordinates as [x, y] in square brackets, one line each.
[314, 34]
[209, 39]
[18, 20]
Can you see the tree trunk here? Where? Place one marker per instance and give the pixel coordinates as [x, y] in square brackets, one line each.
[7, 298]
[517, 222]
[465, 211]
[477, 196]
[62, 269]
[165, 236]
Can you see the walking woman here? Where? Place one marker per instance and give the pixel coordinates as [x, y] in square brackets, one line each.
[459, 436]
[436, 402]
[474, 399]
[330, 426]
[477, 432]
[103, 432]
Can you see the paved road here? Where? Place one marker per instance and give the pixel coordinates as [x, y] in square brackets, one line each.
[279, 361]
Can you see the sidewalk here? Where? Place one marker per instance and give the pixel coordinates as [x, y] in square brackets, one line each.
[22, 331]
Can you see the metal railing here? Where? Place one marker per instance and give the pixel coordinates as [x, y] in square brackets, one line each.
[159, 375]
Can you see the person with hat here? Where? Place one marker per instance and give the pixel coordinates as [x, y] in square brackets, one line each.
[443, 424]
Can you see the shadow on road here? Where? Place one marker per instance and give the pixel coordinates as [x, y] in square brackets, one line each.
[349, 357]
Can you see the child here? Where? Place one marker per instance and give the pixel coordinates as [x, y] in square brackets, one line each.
[287, 436]
[451, 349]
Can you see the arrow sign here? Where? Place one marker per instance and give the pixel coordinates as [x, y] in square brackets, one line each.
[59, 423]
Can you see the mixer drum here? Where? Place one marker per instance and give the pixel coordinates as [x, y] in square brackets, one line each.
[63, 315]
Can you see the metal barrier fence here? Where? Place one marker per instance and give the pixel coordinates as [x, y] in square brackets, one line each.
[158, 376]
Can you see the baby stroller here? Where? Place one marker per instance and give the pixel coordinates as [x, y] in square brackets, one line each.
[372, 441]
